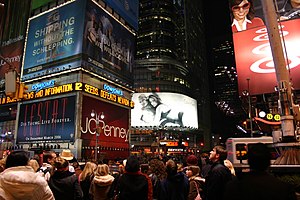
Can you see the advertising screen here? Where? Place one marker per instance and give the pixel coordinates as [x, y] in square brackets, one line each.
[252, 49]
[113, 126]
[47, 121]
[127, 9]
[53, 36]
[108, 44]
[164, 109]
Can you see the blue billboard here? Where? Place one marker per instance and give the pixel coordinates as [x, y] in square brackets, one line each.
[127, 9]
[53, 36]
[108, 45]
[47, 121]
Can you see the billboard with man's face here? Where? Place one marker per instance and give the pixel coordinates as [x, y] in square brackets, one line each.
[164, 109]
[109, 46]
[252, 49]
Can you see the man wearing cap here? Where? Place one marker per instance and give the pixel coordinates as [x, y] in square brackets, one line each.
[68, 155]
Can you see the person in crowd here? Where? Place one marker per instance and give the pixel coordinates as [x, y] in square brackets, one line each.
[77, 168]
[258, 184]
[63, 183]
[242, 15]
[196, 183]
[85, 179]
[144, 168]
[47, 167]
[192, 160]
[102, 183]
[164, 115]
[228, 164]
[290, 10]
[68, 155]
[134, 185]
[34, 164]
[157, 172]
[217, 176]
[19, 181]
[176, 185]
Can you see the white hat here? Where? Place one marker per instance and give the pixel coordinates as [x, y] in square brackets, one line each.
[66, 154]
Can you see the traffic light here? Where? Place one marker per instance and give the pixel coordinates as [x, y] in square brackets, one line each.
[11, 83]
[22, 90]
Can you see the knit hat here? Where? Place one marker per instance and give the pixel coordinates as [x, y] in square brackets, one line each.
[192, 160]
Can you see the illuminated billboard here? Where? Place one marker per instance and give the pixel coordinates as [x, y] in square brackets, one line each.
[164, 109]
[53, 36]
[47, 121]
[252, 49]
[127, 9]
[113, 128]
[107, 43]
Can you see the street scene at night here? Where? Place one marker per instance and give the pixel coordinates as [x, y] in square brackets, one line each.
[149, 99]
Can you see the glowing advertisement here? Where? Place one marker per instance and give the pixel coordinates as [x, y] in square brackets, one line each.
[113, 127]
[127, 9]
[164, 109]
[108, 45]
[53, 36]
[252, 49]
[47, 121]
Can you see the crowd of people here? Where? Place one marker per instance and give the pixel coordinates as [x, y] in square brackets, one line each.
[157, 178]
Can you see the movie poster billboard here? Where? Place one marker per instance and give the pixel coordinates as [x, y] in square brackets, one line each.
[252, 49]
[53, 36]
[127, 9]
[113, 127]
[109, 46]
[164, 110]
[52, 120]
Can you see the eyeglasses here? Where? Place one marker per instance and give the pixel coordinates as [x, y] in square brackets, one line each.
[237, 8]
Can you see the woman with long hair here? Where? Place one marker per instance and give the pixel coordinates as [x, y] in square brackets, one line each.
[86, 177]
[157, 172]
[101, 183]
[242, 15]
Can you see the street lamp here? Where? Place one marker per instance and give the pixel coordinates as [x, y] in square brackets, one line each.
[94, 114]
[247, 93]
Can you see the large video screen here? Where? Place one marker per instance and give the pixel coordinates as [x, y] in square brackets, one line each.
[53, 36]
[47, 121]
[252, 49]
[107, 43]
[164, 109]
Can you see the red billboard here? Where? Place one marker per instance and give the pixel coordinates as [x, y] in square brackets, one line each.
[254, 57]
[113, 140]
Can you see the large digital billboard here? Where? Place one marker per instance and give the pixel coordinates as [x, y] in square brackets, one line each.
[127, 9]
[113, 128]
[254, 61]
[53, 36]
[47, 121]
[107, 43]
[164, 109]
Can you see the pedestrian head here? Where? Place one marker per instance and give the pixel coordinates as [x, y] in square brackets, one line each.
[102, 170]
[218, 153]
[258, 156]
[17, 158]
[171, 167]
[192, 160]
[49, 157]
[132, 164]
[88, 170]
[61, 164]
[192, 171]
[229, 164]
[34, 164]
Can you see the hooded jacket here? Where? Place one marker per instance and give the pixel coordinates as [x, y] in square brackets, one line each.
[64, 185]
[175, 187]
[23, 183]
[100, 187]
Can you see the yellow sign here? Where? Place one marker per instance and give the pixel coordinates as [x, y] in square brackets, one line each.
[71, 87]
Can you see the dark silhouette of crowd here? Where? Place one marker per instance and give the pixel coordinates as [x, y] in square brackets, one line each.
[62, 177]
